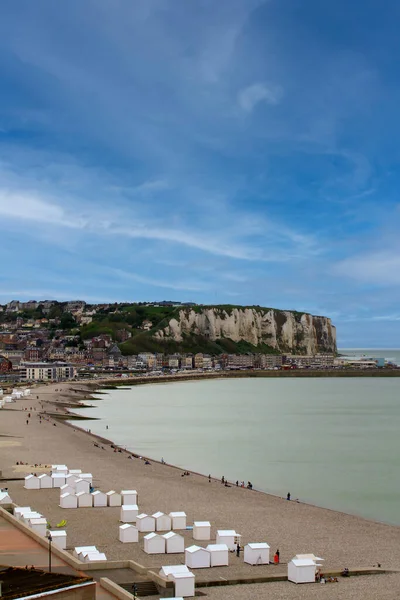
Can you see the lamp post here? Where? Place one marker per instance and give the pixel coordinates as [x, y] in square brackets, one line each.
[50, 540]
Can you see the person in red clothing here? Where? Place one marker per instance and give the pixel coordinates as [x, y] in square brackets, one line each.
[276, 558]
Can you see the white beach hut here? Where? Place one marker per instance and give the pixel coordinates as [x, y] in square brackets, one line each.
[113, 498]
[163, 521]
[201, 530]
[59, 538]
[228, 537]
[67, 489]
[18, 511]
[87, 477]
[154, 543]
[39, 526]
[32, 483]
[174, 543]
[8, 399]
[45, 481]
[75, 472]
[197, 557]
[79, 550]
[58, 479]
[129, 497]
[82, 485]
[302, 570]
[68, 501]
[85, 499]
[178, 520]
[256, 554]
[129, 513]
[145, 523]
[27, 516]
[316, 559]
[60, 469]
[169, 570]
[95, 557]
[184, 584]
[5, 498]
[99, 498]
[70, 479]
[128, 534]
[219, 555]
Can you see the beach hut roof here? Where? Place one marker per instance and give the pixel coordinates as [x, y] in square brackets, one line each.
[141, 516]
[111, 492]
[216, 547]
[202, 523]
[259, 546]
[173, 569]
[170, 535]
[128, 492]
[158, 514]
[226, 532]
[125, 526]
[310, 556]
[132, 507]
[150, 536]
[303, 562]
[57, 533]
[177, 514]
[80, 549]
[188, 575]
[193, 549]
[80, 494]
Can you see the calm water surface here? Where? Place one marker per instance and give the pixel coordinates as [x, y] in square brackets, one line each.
[332, 442]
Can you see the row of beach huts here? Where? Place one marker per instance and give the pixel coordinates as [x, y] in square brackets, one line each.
[160, 529]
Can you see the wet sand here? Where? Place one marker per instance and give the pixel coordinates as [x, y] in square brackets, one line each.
[342, 540]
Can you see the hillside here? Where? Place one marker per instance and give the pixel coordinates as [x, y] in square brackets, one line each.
[185, 329]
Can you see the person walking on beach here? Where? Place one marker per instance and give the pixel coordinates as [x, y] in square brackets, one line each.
[238, 549]
[276, 557]
[288, 496]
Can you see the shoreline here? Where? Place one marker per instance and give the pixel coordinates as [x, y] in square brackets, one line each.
[342, 539]
[104, 440]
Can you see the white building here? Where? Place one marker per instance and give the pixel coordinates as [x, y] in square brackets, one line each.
[228, 537]
[256, 554]
[42, 371]
[201, 530]
[197, 557]
[178, 520]
[128, 534]
[302, 570]
[154, 543]
[174, 543]
[163, 521]
[219, 555]
[145, 523]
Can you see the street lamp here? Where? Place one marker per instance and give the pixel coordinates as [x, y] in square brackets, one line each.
[50, 540]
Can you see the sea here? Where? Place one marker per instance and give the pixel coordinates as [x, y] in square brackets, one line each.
[332, 442]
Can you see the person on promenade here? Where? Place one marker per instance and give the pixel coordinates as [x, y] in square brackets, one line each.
[288, 496]
[223, 479]
[276, 557]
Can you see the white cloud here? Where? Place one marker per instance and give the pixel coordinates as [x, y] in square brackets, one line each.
[252, 95]
[379, 268]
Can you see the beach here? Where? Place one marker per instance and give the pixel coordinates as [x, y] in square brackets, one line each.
[342, 540]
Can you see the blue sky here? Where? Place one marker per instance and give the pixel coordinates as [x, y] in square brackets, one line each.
[239, 151]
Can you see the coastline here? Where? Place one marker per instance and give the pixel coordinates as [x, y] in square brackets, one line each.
[75, 423]
[341, 538]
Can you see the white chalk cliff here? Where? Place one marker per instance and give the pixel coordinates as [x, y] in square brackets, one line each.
[285, 331]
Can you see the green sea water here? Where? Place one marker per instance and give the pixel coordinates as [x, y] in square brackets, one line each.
[334, 442]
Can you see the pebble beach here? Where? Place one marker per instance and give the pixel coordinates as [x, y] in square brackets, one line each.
[342, 540]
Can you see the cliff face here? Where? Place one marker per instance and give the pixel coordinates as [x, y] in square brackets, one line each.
[283, 331]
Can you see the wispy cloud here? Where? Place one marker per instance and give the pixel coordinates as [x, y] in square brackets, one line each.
[252, 95]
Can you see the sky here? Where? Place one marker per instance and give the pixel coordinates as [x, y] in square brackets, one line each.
[239, 152]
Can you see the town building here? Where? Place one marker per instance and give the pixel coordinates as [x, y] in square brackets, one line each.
[43, 371]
